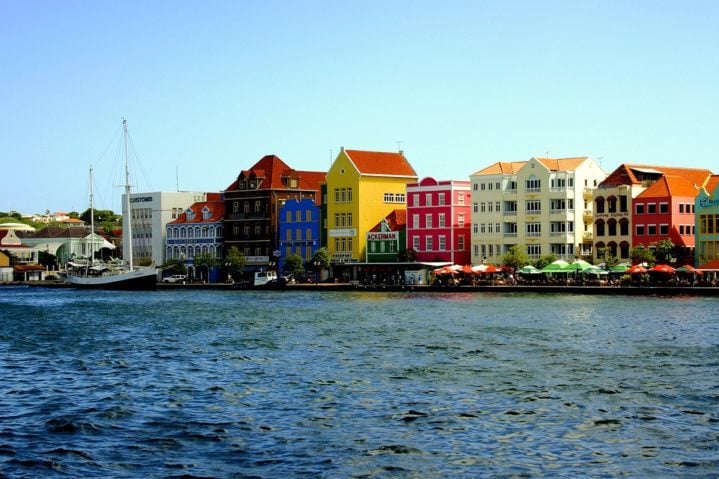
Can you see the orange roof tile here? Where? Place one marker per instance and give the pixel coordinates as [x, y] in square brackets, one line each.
[711, 184]
[216, 208]
[502, 168]
[562, 164]
[668, 186]
[381, 163]
[631, 174]
[271, 170]
[396, 220]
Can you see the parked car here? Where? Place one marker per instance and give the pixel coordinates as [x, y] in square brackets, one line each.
[175, 278]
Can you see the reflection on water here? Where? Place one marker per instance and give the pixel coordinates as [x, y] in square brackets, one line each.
[262, 384]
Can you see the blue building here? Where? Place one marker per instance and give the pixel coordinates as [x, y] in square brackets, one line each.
[299, 229]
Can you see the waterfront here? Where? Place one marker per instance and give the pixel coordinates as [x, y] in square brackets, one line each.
[197, 383]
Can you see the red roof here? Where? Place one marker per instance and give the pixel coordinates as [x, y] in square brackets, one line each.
[381, 163]
[630, 174]
[713, 264]
[396, 220]
[271, 171]
[216, 209]
[667, 185]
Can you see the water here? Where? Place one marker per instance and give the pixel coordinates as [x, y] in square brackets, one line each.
[246, 384]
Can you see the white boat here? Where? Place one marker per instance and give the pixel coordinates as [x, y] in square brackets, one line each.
[117, 274]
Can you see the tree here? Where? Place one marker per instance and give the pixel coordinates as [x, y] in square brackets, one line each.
[545, 260]
[407, 256]
[639, 254]
[294, 265]
[174, 266]
[605, 254]
[321, 258]
[665, 251]
[516, 257]
[204, 262]
[234, 263]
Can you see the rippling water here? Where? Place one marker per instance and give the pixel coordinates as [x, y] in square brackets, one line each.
[356, 385]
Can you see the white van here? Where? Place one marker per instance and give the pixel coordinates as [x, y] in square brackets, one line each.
[264, 277]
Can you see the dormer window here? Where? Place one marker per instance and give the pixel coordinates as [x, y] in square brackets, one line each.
[206, 213]
[190, 215]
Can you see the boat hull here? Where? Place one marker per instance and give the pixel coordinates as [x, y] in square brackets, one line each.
[138, 279]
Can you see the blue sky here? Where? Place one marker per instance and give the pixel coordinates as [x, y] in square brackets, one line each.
[210, 87]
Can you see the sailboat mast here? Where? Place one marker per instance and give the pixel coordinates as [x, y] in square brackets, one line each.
[128, 237]
[92, 220]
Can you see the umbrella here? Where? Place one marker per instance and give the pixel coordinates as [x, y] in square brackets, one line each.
[529, 269]
[662, 268]
[578, 265]
[595, 270]
[637, 269]
[558, 266]
[492, 269]
[687, 268]
[467, 269]
[620, 268]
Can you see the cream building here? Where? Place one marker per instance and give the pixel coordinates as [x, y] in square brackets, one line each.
[150, 213]
[544, 204]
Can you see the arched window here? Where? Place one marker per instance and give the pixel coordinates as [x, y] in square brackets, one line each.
[624, 250]
[599, 204]
[599, 227]
[612, 227]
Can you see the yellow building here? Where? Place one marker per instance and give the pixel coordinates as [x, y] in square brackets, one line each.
[362, 188]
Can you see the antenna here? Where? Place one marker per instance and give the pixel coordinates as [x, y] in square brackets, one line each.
[399, 145]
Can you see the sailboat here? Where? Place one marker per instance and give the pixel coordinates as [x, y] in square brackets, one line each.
[116, 274]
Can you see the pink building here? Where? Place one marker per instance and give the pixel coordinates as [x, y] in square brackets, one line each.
[438, 220]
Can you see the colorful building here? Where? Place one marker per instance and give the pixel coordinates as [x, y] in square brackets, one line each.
[664, 211]
[543, 204]
[706, 208]
[362, 188]
[252, 203]
[614, 230]
[198, 231]
[387, 239]
[439, 220]
[299, 228]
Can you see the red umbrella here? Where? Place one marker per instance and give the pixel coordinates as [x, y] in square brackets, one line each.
[492, 269]
[637, 269]
[467, 269]
[663, 268]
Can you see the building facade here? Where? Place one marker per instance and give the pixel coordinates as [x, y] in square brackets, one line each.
[198, 231]
[149, 214]
[252, 205]
[614, 231]
[706, 209]
[299, 229]
[439, 215]
[387, 239]
[543, 204]
[363, 187]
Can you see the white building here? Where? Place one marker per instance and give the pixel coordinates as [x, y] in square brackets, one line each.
[150, 213]
[544, 204]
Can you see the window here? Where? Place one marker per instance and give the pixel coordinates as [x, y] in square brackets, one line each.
[349, 220]
[258, 206]
[288, 217]
[533, 184]
[651, 230]
[428, 220]
[460, 243]
[337, 220]
[533, 207]
[442, 243]
[639, 208]
[510, 229]
[664, 230]
[415, 221]
[298, 216]
[475, 207]
[415, 199]
[534, 250]
[428, 199]
[428, 243]
[415, 243]
[482, 207]
[460, 220]
[298, 234]
[441, 199]
[442, 220]
[475, 228]
[497, 207]
[639, 229]
[460, 199]
[664, 207]
[534, 229]
[235, 207]
[308, 215]
[651, 208]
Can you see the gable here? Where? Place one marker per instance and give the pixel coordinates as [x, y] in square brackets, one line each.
[380, 163]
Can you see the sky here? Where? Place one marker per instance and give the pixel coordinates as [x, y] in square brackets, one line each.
[210, 87]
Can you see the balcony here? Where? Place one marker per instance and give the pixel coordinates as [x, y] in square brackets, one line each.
[588, 192]
[342, 257]
[587, 237]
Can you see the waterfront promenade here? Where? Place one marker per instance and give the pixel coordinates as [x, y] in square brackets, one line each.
[484, 288]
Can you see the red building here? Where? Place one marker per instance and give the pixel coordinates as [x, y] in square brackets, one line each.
[439, 220]
[664, 211]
